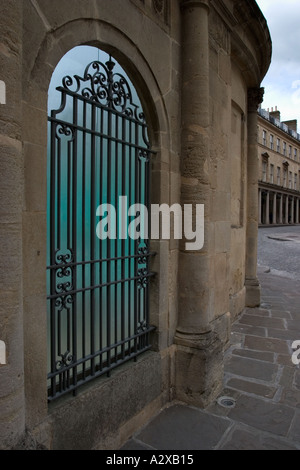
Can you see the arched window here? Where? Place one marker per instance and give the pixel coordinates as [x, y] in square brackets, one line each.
[97, 215]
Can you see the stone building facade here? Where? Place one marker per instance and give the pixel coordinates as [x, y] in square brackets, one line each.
[197, 66]
[279, 169]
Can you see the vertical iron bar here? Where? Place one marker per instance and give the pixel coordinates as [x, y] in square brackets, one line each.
[92, 236]
[147, 195]
[101, 170]
[136, 244]
[69, 333]
[74, 237]
[59, 348]
[58, 247]
[123, 191]
[116, 182]
[52, 252]
[69, 190]
[83, 236]
[109, 144]
[58, 196]
[70, 223]
[129, 244]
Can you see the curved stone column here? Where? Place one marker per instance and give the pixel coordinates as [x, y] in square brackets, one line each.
[255, 97]
[198, 361]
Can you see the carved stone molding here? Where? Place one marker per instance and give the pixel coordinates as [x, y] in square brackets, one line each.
[218, 32]
[158, 6]
[161, 8]
[255, 98]
[194, 3]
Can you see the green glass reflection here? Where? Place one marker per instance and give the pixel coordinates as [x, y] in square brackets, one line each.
[95, 157]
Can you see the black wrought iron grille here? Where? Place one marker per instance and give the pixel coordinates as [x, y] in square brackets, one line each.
[98, 289]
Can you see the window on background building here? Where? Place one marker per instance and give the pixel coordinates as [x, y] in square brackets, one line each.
[284, 148]
[278, 145]
[284, 177]
[295, 181]
[290, 180]
[272, 174]
[264, 171]
[290, 151]
[295, 155]
[271, 142]
[264, 138]
[278, 176]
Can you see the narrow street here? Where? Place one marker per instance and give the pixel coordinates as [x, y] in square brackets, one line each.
[279, 249]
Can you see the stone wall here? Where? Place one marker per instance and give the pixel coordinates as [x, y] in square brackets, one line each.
[192, 63]
[12, 405]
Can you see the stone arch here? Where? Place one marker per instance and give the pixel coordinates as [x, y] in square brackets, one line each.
[35, 88]
[111, 40]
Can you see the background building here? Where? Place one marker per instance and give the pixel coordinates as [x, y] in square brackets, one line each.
[72, 378]
[279, 173]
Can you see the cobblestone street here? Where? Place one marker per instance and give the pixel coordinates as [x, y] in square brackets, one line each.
[279, 249]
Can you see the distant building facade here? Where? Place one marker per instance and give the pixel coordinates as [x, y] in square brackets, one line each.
[279, 169]
[97, 337]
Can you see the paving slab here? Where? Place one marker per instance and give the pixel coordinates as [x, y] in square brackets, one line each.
[288, 335]
[251, 387]
[248, 329]
[297, 379]
[181, 427]
[260, 355]
[133, 444]
[295, 314]
[294, 433]
[263, 414]
[250, 439]
[290, 397]
[294, 325]
[281, 314]
[256, 320]
[258, 311]
[284, 359]
[243, 440]
[245, 367]
[266, 344]
[280, 444]
[287, 377]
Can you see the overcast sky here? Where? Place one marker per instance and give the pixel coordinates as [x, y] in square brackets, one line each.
[282, 82]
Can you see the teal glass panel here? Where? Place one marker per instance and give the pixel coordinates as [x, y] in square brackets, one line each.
[97, 289]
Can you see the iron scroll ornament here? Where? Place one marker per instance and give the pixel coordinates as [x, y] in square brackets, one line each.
[64, 269]
[99, 83]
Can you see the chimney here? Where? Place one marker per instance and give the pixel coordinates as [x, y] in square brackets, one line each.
[275, 114]
[291, 124]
